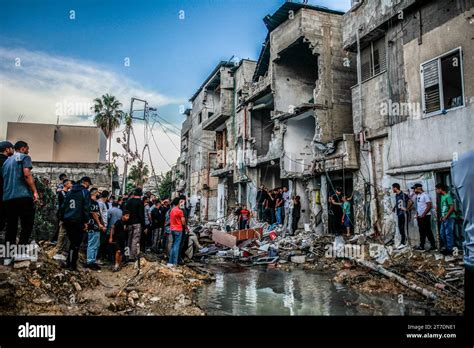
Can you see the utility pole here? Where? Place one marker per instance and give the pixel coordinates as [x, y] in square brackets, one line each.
[145, 113]
[125, 167]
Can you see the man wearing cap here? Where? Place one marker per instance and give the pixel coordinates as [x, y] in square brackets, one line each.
[19, 194]
[423, 216]
[462, 173]
[6, 150]
[74, 213]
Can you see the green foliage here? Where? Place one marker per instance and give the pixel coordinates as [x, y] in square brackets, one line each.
[166, 185]
[107, 114]
[139, 174]
[45, 211]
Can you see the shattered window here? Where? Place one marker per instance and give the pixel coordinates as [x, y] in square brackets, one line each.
[442, 83]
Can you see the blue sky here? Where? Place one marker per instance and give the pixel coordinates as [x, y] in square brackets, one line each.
[65, 59]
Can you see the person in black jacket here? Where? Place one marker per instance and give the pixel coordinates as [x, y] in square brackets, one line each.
[156, 223]
[137, 221]
[296, 214]
[75, 215]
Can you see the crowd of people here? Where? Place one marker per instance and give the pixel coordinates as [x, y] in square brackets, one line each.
[416, 204]
[108, 228]
[277, 206]
[118, 229]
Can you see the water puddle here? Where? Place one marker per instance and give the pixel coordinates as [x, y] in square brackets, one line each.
[265, 291]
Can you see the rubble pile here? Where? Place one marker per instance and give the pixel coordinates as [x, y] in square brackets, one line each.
[44, 288]
[41, 287]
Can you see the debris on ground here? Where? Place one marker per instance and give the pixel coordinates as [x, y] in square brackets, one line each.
[362, 261]
[44, 287]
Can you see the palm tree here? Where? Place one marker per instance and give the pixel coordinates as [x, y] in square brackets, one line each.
[139, 174]
[108, 117]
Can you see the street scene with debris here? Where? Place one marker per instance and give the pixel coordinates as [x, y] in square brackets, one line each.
[331, 175]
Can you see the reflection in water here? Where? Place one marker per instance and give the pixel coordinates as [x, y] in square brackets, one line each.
[261, 291]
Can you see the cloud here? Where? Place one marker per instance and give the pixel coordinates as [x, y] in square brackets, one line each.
[42, 87]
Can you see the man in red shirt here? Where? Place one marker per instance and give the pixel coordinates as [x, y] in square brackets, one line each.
[177, 227]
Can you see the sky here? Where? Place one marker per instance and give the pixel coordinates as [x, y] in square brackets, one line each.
[57, 56]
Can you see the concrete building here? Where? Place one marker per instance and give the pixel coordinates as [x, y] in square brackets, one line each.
[413, 103]
[232, 134]
[299, 109]
[212, 104]
[283, 120]
[55, 149]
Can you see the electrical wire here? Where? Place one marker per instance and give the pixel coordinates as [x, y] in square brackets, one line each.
[196, 142]
[159, 151]
[164, 131]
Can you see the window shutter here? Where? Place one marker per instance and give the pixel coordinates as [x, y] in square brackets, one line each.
[430, 76]
[365, 58]
[380, 61]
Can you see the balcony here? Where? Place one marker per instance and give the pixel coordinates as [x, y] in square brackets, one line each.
[344, 156]
[216, 121]
[258, 87]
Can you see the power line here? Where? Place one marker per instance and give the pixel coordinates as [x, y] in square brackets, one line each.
[164, 130]
[163, 157]
[195, 142]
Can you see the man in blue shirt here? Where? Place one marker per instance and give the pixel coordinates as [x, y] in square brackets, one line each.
[19, 194]
[462, 172]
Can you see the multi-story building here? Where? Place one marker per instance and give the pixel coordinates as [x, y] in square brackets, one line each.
[381, 94]
[212, 104]
[299, 109]
[413, 102]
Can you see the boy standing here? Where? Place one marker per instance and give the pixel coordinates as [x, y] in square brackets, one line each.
[346, 214]
[244, 218]
[117, 238]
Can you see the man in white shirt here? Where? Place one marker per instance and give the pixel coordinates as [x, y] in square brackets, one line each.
[423, 216]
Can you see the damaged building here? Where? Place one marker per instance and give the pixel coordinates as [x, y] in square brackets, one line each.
[283, 120]
[413, 101]
[201, 138]
[299, 109]
[380, 94]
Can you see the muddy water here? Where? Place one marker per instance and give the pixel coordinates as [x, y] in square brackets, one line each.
[262, 291]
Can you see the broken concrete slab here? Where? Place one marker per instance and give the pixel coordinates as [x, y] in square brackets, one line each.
[224, 238]
[253, 233]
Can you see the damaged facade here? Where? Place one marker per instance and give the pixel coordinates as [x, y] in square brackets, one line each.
[413, 103]
[359, 100]
[212, 104]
